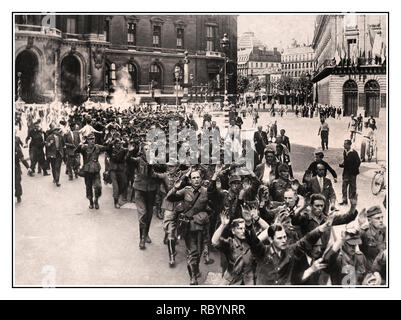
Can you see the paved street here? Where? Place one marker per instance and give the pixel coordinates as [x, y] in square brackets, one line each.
[54, 228]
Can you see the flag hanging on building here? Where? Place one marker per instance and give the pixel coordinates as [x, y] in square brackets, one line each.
[383, 52]
[377, 46]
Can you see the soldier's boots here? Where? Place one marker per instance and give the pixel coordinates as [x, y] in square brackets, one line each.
[158, 212]
[171, 253]
[165, 240]
[191, 270]
[142, 241]
[116, 204]
[45, 173]
[96, 204]
[147, 238]
[90, 203]
[206, 257]
[198, 274]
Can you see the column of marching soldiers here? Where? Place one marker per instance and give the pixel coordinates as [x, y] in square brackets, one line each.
[269, 228]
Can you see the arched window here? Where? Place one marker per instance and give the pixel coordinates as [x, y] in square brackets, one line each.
[133, 72]
[155, 76]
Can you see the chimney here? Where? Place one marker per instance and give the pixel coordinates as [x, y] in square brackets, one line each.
[274, 51]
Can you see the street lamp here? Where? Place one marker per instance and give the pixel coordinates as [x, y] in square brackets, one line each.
[19, 88]
[89, 87]
[177, 74]
[225, 44]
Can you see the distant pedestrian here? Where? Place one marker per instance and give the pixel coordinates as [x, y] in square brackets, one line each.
[324, 134]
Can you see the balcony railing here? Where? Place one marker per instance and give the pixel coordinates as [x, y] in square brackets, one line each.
[24, 28]
[348, 63]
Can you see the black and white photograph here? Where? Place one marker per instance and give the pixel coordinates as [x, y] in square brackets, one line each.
[216, 149]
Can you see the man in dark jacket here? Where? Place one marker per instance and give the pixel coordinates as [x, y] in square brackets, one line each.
[260, 139]
[18, 157]
[351, 170]
[71, 142]
[91, 169]
[319, 160]
[195, 199]
[36, 153]
[55, 152]
[276, 261]
[117, 169]
[145, 186]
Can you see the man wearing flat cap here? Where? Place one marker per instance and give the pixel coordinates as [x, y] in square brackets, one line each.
[374, 236]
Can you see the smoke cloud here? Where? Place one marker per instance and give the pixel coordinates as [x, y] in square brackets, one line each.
[123, 95]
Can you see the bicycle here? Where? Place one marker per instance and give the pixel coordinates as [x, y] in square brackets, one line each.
[378, 181]
[371, 150]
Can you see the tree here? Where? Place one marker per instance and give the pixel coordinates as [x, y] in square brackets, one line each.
[254, 84]
[285, 85]
[305, 86]
[242, 84]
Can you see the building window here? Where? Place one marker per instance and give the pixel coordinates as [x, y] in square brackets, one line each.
[106, 30]
[155, 76]
[133, 73]
[131, 34]
[210, 35]
[157, 30]
[71, 25]
[180, 38]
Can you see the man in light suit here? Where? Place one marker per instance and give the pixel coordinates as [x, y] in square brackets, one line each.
[267, 172]
[322, 185]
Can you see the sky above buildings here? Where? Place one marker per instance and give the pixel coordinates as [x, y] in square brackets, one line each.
[278, 30]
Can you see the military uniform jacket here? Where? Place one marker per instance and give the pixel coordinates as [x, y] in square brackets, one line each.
[373, 242]
[228, 200]
[275, 269]
[240, 261]
[342, 262]
[117, 158]
[167, 180]
[91, 157]
[188, 194]
[37, 140]
[308, 221]
[71, 141]
[144, 180]
[54, 145]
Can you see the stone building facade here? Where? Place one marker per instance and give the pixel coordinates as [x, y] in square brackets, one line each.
[77, 55]
[297, 61]
[350, 63]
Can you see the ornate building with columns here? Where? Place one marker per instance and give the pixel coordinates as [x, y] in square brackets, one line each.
[74, 56]
[350, 62]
